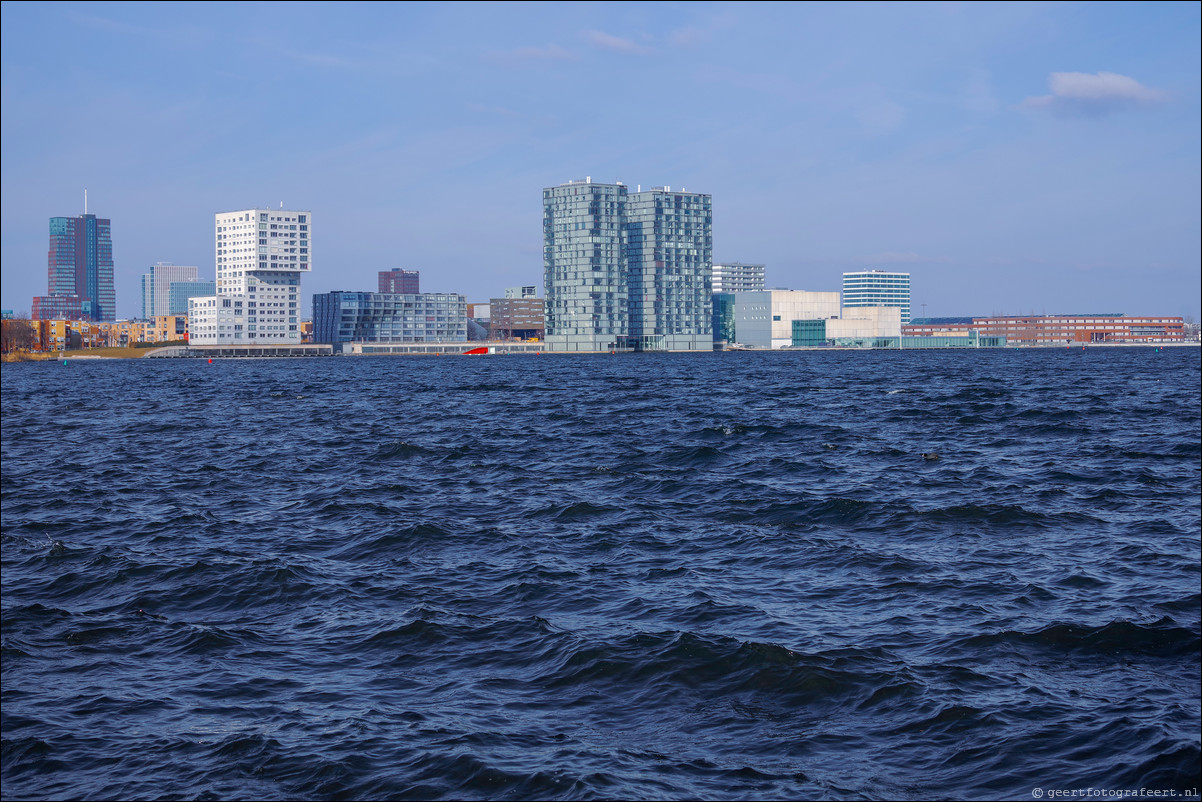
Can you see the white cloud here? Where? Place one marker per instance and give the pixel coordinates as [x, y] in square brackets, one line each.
[1082, 93]
[615, 43]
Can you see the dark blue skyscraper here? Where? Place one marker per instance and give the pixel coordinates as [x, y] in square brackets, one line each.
[80, 265]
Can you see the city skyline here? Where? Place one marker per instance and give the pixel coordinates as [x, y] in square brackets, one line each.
[1013, 159]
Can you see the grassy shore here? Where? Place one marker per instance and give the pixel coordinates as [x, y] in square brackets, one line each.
[107, 353]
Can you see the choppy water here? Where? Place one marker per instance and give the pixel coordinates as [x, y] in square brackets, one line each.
[687, 576]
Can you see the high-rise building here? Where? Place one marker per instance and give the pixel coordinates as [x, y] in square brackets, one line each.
[626, 271]
[156, 287]
[670, 257]
[738, 277]
[180, 291]
[80, 263]
[584, 266]
[878, 288]
[397, 281]
[261, 255]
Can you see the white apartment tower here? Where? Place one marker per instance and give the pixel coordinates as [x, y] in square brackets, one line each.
[261, 254]
[878, 288]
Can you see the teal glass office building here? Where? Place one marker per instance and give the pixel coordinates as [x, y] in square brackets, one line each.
[878, 288]
[80, 263]
[627, 271]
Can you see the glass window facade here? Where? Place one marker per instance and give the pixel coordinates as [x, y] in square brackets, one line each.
[373, 317]
[181, 291]
[878, 288]
[80, 263]
[584, 267]
[626, 271]
[738, 277]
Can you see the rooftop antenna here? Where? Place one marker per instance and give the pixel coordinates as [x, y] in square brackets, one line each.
[281, 204]
[85, 200]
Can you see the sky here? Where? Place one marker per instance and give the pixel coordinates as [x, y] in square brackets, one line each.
[1015, 158]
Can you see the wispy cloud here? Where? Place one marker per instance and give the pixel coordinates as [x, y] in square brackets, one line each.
[1093, 95]
[699, 34]
[548, 53]
[616, 43]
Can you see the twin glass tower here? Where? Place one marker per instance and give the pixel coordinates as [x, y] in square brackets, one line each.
[627, 271]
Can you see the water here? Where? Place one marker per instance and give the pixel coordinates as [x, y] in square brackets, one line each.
[676, 577]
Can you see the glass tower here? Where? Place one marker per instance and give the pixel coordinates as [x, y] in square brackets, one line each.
[80, 263]
[627, 271]
[878, 288]
[670, 261]
[156, 287]
[584, 267]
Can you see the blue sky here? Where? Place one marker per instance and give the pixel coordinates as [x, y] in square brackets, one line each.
[1013, 157]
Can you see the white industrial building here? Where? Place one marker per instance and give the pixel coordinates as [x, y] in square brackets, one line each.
[865, 323]
[773, 319]
[764, 319]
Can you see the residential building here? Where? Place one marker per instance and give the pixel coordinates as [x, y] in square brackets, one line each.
[180, 291]
[397, 281]
[156, 286]
[516, 318]
[670, 264]
[626, 271]
[584, 267]
[372, 317]
[79, 264]
[878, 288]
[72, 335]
[526, 291]
[164, 328]
[738, 277]
[261, 255]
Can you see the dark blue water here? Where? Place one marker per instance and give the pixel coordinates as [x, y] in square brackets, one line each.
[673, 577]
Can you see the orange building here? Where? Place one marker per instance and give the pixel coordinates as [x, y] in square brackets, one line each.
[165, 328]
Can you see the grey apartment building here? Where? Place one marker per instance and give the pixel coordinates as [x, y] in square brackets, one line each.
[627, 271]
[375, 317]
[738, 277]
